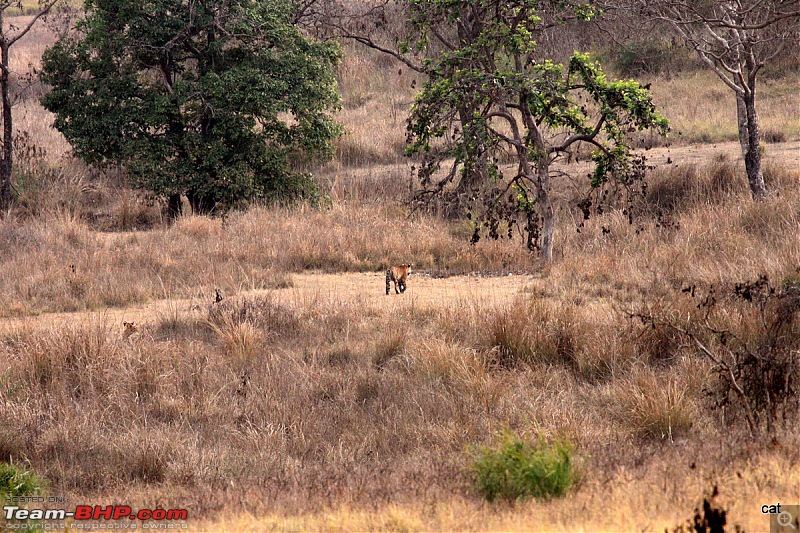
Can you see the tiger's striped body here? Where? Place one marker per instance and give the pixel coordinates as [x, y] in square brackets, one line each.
[398, 274]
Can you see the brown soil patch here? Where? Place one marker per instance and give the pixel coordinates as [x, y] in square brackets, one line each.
[787, 153]
[367, 289]
[370, 289]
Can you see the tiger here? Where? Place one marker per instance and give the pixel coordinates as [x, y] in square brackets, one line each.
[130, 329]
[398, 274]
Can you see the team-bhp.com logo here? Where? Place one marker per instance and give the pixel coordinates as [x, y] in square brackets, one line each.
[78, 519]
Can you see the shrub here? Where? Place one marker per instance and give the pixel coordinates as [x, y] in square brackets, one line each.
[712, 517]
[260, 312]
[774, 136]
[752, 339]
[15, 481]
[515, 469]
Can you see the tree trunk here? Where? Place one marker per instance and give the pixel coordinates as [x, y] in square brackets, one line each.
[475, 170]
[8, 36]
[741, 121]
[201, 204]
[541, 179]
[542, 183]
[546, 205]
[752, 152]
[174, 207]
[8, 133]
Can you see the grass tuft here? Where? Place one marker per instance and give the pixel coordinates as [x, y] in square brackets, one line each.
[533, 331]
[388, 347]
[656, 406]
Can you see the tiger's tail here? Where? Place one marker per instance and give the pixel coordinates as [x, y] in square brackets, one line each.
[388, 280]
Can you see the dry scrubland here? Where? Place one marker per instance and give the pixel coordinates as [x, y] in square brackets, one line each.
[308, 400]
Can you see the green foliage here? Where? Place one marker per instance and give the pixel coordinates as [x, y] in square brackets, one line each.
[15, 481]
[215, 101]
[488, 97]
[516, 469]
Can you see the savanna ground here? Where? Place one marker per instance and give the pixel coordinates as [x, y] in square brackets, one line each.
[307, 399]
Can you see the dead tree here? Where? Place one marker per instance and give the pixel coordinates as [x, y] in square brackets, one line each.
[735, 39]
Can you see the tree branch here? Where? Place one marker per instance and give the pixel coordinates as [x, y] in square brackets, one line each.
[589, 138]
[375, 46]
[45, 9]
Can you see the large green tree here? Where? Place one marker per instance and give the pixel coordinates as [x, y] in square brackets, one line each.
[215, 100]
[489, 100]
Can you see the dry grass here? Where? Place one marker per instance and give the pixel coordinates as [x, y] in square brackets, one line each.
[326, 418]
[658, 405]
[338, 403]
[79, 269]
[701, 109]
[635, 505]
[312, 401]
[376, 96]
[712, 234]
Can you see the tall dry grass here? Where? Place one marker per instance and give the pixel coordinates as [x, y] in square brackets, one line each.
[79, 269]
[377, 93]
[707, 230]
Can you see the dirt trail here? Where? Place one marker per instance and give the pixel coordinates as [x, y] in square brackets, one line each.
[367, 289]
[787, 153]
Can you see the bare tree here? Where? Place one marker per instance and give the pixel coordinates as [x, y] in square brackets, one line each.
[757, 362]
[735, 39]
[10, 34]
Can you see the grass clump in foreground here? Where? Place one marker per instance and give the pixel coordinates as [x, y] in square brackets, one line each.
[15, 481]
[514, 469]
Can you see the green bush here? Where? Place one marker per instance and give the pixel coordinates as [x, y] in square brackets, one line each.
[517, 469]
[243, 98]
[15, 481]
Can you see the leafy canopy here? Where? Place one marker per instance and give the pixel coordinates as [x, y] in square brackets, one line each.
[490, 98]
[210, 99]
